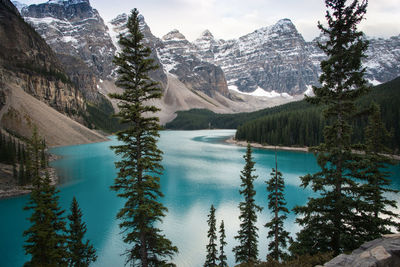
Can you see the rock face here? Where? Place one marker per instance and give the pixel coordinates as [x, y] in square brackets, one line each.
[74, 28]
[271, 58]
[118, 26]
[27, 60]
[382, 252]
[180, 58]
[381, 62]
[34, 89]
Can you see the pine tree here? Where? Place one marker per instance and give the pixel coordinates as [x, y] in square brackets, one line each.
[247, 250]
[277, 203]
[45, 238]
[331, 214]
[21, 174]
[211, 258]
[138, 178]
[222, 257]
[79, 254]
[374, 219]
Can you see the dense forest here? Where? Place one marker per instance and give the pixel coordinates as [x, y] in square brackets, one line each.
[297, 123]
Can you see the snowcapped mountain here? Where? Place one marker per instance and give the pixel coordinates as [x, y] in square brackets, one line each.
[178, 57]
[74, 28]
[273, 58]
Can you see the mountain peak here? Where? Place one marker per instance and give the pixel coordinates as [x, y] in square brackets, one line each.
[67, 2]
[207, 34]
[284, 21]
[174, 35]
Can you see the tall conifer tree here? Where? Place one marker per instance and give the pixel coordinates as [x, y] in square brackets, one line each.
[139, 169]
[45, 238]
[211, 258]
[222, 257]
[374, 219]
[247, 250]
[80, 254]
[331, 214]
[277, 203]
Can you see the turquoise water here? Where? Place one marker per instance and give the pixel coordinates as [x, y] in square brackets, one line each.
[200, 170]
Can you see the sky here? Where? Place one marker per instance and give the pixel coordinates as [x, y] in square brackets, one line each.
[228, 19]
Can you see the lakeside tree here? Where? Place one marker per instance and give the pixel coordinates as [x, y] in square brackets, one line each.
[222, 257]
[277, 203]
[375, 219]
[331, 214]
[211, 258]
[247, 250]
[138, 178]
[80, 254]
[45, 238]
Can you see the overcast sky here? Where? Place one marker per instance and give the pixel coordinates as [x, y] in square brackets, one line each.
[228, 19]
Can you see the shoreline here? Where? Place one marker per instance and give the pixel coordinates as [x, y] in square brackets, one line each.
[232, 141]
[10, 190]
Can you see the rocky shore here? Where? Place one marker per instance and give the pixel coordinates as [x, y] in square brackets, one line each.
[9, 186]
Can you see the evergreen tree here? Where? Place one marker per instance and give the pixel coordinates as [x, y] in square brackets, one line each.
[15, 172]
[45, 238]
[374, 219]
[331, 214]
[222, 257]
[277, 203]
[138, 178]
[21, 174]
[79, 254]
[211, 258]
[247, 250]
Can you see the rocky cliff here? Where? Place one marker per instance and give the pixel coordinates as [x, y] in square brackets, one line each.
[73, 27]
[32, 81]
[273, 58]
[27, 60]
[179, 57]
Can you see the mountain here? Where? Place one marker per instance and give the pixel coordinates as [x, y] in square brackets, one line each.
[381, 62]
[187, 80]
[34, 87]
[273, 58]
[78, 35]
[274, 62]
[73, 27]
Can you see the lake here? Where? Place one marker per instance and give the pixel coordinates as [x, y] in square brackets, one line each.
[200, 170]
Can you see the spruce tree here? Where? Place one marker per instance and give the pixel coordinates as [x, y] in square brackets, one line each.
[374, 219]
[211, 258]
[277, 203]
[247, 250]
[80, 254]
[222, 257]
[45, 238]
[331, 214]
[138, 178]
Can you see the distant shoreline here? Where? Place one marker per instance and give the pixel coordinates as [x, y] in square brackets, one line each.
[232, 141]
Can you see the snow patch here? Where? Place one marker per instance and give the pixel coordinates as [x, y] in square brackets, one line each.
[309, 91]
[259, 92]
[374, 82]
